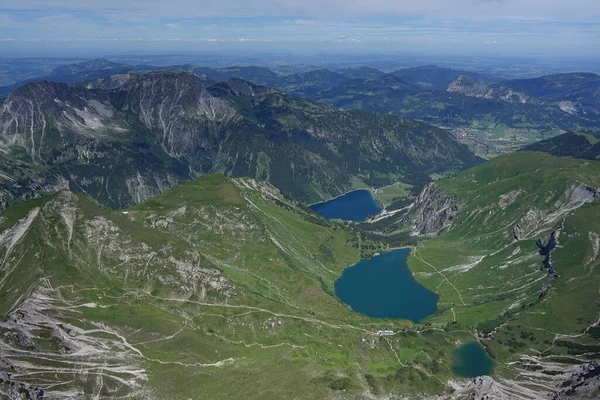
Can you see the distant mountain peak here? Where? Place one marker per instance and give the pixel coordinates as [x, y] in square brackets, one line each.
[428, 66]
[432, 76]
[462, 80]
[470, 88]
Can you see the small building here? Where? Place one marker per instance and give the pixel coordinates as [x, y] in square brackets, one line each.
[384, 333]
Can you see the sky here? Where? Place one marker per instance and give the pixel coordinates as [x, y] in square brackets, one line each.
[519, 27]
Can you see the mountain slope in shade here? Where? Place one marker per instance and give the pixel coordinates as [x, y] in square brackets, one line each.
[256, 75]
[560, 86]
[86, 66]
[572, 144]
[129, 137]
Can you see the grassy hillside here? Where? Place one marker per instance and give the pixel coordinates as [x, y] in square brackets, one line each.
[218, 288]
[224, 287]
[486, 266]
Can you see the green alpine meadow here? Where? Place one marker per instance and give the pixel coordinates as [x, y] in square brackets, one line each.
[195, 217]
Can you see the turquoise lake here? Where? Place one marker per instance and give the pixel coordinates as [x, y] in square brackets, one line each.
[357, 205]
[471, 360]
[384, 287]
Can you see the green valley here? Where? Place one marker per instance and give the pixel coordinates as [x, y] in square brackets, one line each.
[156, 240]
[225, 286]
[211, 281]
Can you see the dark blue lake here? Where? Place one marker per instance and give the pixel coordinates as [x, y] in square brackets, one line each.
[471, 360]
[357, 205]
[384, 287]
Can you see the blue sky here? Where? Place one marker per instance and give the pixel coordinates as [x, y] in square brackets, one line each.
[462, 26]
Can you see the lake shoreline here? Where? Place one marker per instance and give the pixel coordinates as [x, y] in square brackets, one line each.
[384, 287]
[354, 206]
[350, 191]
[471, 360]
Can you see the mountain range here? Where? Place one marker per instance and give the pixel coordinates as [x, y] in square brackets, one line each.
[156, 240]
[129, 137]
[490, 114]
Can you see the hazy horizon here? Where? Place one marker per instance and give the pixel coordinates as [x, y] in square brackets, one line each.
[490, 28]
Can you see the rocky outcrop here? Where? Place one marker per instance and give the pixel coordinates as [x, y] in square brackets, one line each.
[583, 383]
[547, 245]
[574, 382]
[78, 349]
[433, 211]
[536, 221]
[13, 389]
[467, 87]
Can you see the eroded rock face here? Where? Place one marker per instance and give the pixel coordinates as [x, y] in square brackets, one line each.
[584, 383]
[576, 382]
[73, 348]
[430, 213]
[32, 116]
[467, 87]
[536, 221]
[179, 109]
[433, 211]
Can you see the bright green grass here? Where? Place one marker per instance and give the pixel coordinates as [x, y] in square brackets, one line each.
[280, 331]
[388, 194]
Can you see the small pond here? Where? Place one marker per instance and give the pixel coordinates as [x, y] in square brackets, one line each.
[471, 360]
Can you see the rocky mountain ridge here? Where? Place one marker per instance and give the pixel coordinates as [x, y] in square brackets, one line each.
[132, 136]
